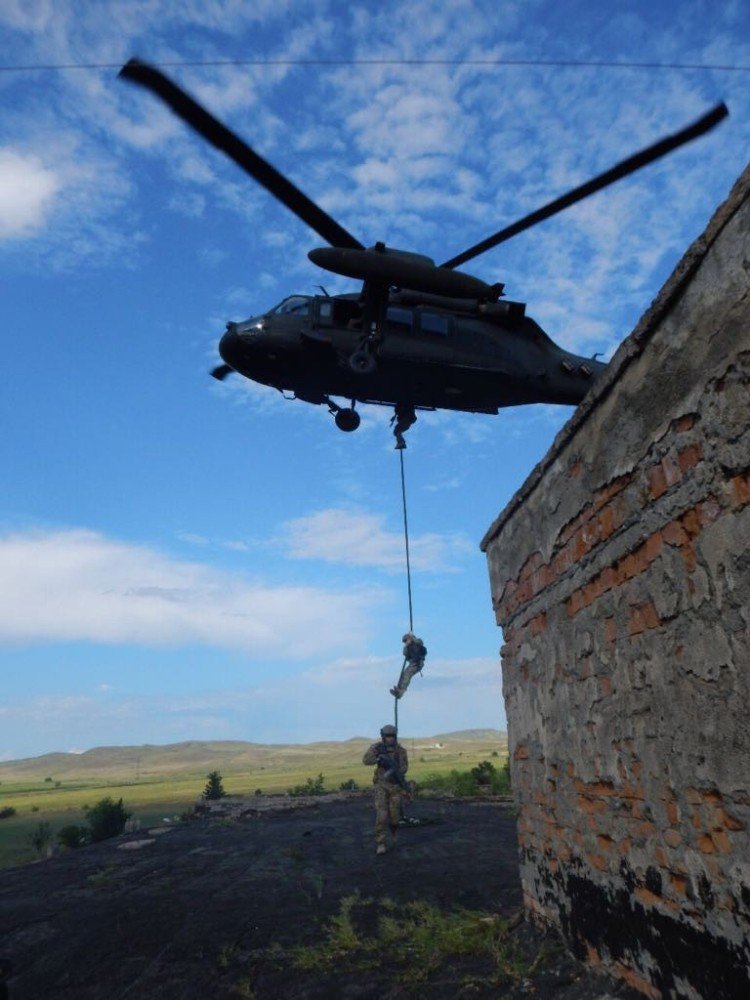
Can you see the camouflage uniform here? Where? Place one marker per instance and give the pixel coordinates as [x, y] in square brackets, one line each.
[414, 655]
[388, 793]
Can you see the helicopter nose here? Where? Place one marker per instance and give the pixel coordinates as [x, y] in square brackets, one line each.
[230, 346]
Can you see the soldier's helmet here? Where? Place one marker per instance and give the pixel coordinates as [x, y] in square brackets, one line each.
[407, 636]
[388, 731]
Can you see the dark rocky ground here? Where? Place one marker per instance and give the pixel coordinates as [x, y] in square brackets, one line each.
[214, 907]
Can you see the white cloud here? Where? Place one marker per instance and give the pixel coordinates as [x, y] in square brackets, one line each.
[357, 538]
[64, 231]
[192, 539]
[27, 15]
[27, 191]
[81, 586]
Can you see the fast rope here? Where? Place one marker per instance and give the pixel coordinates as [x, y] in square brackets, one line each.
[408, 577]
[406, 541]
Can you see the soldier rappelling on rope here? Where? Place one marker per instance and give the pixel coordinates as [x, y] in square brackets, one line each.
[403, 417]
[415, 652]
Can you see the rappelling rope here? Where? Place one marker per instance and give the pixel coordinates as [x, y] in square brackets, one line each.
[408, 576]
[406, 541]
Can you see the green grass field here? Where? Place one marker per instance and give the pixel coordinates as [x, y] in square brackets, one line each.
[162, 782]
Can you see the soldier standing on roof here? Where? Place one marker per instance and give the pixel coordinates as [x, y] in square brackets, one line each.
[415, 652]
[390, 785]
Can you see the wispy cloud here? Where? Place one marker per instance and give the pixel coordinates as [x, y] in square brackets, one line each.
[81, 586]
[358, 538]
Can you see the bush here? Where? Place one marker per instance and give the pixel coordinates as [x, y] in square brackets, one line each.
[49, 780]
[350, 785]
[73, 836]
[483, 773]
[41, 837]
[7, 812]
[482, 779]
[107, 819]
[214, 788]
[313, 786]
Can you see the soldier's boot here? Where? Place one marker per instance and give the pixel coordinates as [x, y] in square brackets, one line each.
[394, 832]
[380, 849]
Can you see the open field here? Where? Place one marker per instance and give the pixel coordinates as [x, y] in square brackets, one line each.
[157, 782]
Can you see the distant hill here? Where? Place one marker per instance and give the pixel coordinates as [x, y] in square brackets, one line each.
[472, 736]
[198, 757]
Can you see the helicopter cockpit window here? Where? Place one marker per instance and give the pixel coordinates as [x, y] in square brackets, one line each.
[400, 320]
[297, 305]
[435, 323]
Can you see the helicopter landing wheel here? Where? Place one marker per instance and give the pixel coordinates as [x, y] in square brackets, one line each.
[362, 362]
[347, 420]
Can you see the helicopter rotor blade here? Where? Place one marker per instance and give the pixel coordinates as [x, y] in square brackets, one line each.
[221, 372]
[620, 170]
[236, 149]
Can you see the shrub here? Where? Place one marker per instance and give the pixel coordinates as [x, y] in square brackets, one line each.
[72, 836]
[258, 791]
[107, 819]
[483, 773]
[41, 837]
[7, 812]
[49, 780]
[35, 809]
[312, 786]
[214, 788]
[350, 785]
[483, 778]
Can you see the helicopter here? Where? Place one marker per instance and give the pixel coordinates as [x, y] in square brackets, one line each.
[418, 335]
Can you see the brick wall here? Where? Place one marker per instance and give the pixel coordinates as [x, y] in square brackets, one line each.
[620, 573]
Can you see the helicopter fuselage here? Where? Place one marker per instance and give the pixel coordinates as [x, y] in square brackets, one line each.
[488, 356]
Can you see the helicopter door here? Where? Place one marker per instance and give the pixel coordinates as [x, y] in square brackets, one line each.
[419, 335]
[323, 313]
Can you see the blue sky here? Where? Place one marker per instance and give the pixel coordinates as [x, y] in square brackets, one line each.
[181, 559]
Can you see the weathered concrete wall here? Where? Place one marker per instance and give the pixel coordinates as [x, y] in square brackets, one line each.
[620, 574]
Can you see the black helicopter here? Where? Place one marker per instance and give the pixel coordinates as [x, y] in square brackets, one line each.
[418, 335]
